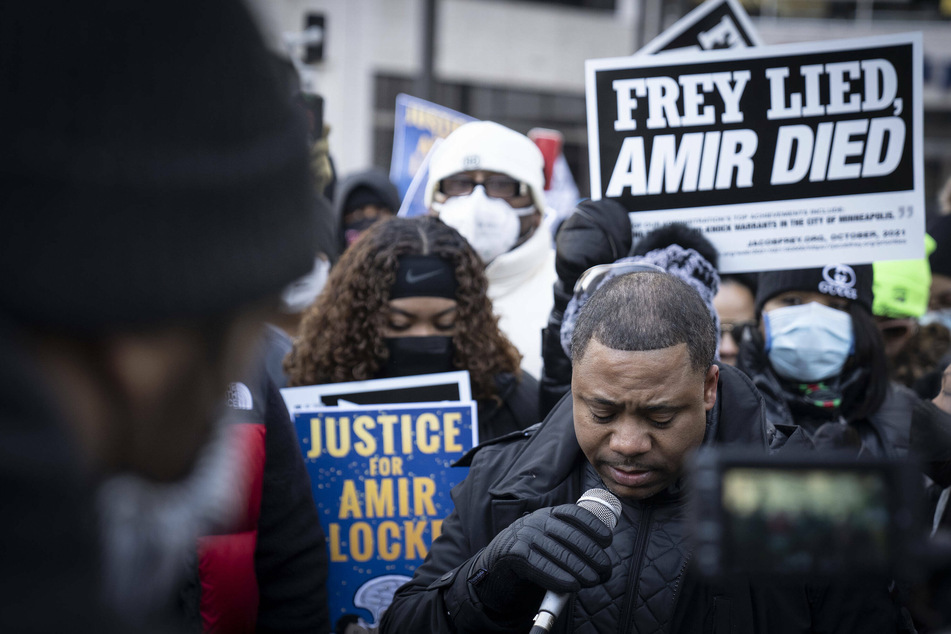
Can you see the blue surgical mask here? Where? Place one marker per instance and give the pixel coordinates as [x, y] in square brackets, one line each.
[808, 343]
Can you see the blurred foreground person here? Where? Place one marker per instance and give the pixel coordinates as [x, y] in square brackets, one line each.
[409, 298]
[487, 182]
[159, 179]
[645, 394]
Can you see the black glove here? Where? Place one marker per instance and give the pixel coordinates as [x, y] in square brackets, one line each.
[597, 232]
[559, 548]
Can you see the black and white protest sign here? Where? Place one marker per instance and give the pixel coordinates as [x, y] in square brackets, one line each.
[714, 25]
[810, 151]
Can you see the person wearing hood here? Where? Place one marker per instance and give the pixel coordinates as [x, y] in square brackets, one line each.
[360, 200]
[487, 182]
[159, 180]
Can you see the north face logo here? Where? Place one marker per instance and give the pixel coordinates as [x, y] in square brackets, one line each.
[838, 280]
[239, 396]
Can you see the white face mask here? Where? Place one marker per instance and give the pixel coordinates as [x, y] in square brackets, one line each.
[300, 293]
[490, 225]
[809, 342]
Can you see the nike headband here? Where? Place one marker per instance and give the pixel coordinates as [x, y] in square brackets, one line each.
[424, 276]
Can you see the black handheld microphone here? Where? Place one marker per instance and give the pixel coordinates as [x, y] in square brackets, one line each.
[607, 508]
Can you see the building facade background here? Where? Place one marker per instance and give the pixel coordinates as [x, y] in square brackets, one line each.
[521, 62]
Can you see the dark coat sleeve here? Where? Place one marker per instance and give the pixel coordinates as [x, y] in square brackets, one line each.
[518, 411]
[291, 555]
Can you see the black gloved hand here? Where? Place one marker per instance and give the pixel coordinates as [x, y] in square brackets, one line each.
[597, 232]
[559, 548]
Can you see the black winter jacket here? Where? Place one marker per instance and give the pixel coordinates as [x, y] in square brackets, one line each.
[543, 466]
[50, 576]
[517, 411]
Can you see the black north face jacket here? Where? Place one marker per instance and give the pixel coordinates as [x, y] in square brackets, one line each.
[652, 588]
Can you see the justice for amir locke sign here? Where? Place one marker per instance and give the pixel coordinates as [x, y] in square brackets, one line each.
[785, 156]
[381, 477]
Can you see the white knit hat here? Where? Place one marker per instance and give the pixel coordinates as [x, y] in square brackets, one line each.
[486, 145]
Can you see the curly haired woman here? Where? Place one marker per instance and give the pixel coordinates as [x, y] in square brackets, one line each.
[409, 298]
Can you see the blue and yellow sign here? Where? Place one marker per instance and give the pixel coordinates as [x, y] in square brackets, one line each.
[381, 477]
[419, 123]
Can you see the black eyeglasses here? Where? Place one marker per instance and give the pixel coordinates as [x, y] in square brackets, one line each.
[494, 186]
[736, 329]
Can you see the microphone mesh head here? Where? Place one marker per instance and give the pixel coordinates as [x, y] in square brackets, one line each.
[603, 504]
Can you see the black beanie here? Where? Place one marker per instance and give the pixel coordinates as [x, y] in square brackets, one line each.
[853, 282]
[940, 259]
[153, 166]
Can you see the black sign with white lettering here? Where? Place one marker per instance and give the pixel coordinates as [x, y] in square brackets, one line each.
[721, 133]
[714, 25]
[775, 127]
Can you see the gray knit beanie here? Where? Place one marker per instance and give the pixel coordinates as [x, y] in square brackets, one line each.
[687, 264]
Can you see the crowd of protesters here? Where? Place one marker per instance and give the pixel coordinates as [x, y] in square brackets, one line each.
[182, 249]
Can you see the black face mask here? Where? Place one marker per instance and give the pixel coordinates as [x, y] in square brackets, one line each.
[410, 356]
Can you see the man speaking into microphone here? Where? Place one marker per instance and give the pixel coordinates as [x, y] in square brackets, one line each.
[645, 394]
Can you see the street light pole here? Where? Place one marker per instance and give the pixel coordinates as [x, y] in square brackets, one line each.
[424, 80]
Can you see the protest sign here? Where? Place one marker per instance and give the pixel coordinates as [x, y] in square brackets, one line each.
[418, 124]
[414, 200]
[786, 156]
[714, 25]
[381, 477]
[443, 386]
